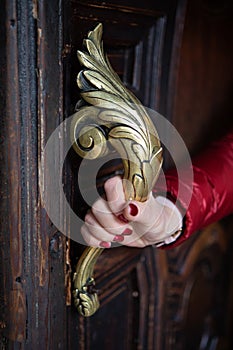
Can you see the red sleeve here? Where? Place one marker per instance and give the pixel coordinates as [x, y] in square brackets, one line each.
[212, 192]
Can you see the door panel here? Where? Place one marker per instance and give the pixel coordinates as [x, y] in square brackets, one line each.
[150, 298]
[136, 40]
[150, 295]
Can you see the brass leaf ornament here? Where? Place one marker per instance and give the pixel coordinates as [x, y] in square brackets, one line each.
[109, 115]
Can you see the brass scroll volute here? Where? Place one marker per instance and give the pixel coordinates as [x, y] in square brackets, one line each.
[110, 114]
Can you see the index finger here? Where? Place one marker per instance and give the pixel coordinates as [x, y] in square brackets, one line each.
[115, 194]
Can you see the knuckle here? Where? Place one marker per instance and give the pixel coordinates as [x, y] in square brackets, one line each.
[88, 218]
[108, 185]
[96, 206]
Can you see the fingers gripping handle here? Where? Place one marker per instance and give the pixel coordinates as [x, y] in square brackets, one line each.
[110, 114]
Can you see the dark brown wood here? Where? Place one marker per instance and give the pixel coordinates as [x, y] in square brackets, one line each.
[204, 90]
[150, 298]
[33, 293]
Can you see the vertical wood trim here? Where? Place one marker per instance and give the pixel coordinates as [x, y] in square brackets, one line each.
[175, 56]
[50, 114]
[15, 321]
[32, 274]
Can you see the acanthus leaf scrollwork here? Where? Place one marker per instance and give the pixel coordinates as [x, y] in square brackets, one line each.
[109, 113]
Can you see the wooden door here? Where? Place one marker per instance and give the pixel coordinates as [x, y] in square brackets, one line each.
[150, 299]
[139, 41]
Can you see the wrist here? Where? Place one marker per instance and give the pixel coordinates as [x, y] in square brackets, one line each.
[173, 221]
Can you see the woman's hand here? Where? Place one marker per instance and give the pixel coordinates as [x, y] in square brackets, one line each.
[131, 223]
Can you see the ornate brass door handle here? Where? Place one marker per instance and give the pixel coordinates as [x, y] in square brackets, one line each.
[110, 114]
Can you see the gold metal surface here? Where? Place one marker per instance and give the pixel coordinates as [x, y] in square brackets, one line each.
[109, 115]
[85, 296]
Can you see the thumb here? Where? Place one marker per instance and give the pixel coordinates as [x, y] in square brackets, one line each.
[146, 213]
[132, 211]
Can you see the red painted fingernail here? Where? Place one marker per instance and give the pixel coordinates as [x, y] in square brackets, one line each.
[122, 218]
[127, 232]
[104, 244]
[118, 238]
[133, 210]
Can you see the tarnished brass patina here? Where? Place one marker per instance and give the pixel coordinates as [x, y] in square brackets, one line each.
[85, 296]
[110, 114]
